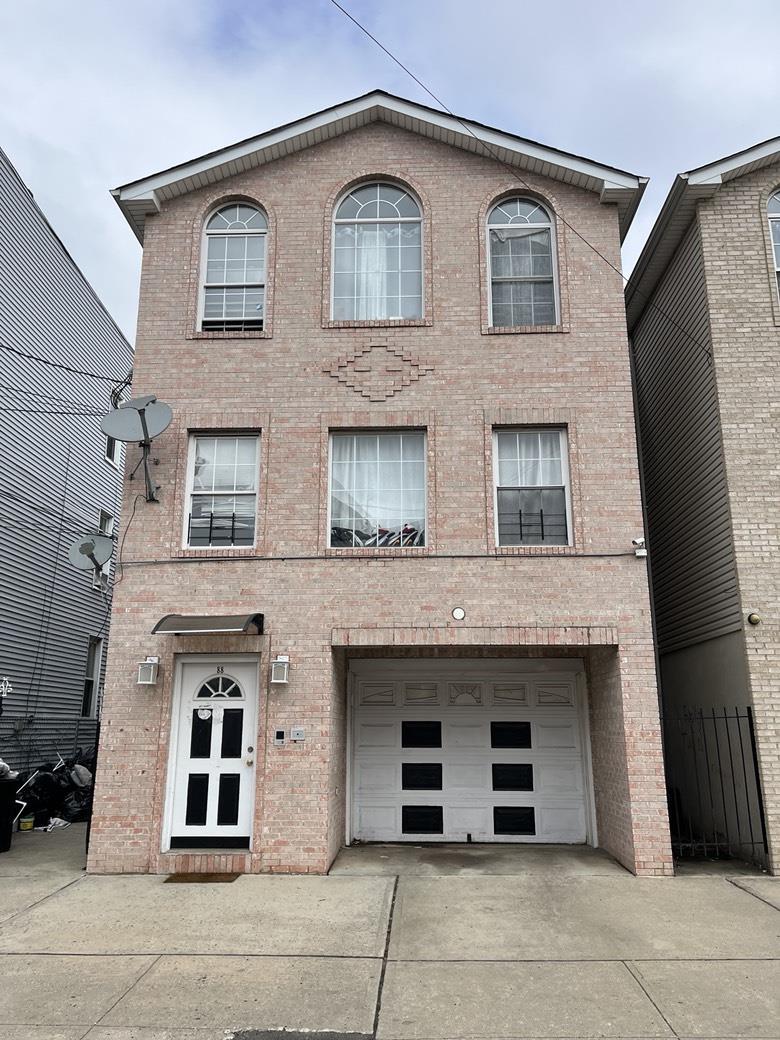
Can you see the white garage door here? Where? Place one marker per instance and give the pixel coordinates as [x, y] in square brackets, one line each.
[468, 751]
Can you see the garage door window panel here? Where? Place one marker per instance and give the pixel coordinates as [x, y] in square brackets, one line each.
[419, 734]
[510, 776]
[422, 819]
[510, 734]
[421, 776]
[514, 819]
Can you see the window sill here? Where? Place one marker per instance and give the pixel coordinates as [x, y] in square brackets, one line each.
[380, 550]
[536, 550]
[380, 323]
[215, 550]
[247, 334]
[520, 330]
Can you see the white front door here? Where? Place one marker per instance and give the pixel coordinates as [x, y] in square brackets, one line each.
[213, 753]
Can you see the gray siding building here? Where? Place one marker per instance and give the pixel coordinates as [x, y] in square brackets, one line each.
[703, 308]
[58, 478]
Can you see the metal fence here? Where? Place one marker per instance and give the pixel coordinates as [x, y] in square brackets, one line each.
[713, 785]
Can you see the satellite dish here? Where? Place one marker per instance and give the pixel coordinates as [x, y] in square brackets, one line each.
[140, 420]
[91, 552]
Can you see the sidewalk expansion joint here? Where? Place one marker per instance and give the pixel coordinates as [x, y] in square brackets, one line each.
[755, 895]
[636, 975]
[385, 954]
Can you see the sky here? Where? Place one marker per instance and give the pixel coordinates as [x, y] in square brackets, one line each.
[94, 94]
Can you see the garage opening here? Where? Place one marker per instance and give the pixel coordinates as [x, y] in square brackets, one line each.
[485, 750]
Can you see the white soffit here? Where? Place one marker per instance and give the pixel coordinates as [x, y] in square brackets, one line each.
[142, 197]
[677, 213]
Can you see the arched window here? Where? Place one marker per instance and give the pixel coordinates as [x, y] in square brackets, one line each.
[377, 255]
[234, 284]
[522, 264]
[774, 227]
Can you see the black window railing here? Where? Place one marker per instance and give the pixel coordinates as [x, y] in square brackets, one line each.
[215, 529]
[532, 516]
[382, 538]
[232, 325]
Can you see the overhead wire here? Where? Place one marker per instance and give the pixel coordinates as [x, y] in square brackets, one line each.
[58, 364]
[513, 170]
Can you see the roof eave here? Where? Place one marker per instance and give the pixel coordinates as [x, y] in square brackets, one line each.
[140, 198]
[677, 212]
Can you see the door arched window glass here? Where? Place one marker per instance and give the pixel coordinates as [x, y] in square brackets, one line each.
[377, 255]
[774, 227]
[234, 285]
[521, 255]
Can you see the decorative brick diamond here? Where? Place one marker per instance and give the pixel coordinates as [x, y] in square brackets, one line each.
[378, 371]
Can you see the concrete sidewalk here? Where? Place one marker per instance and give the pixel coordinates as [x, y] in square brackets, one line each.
[557, 954]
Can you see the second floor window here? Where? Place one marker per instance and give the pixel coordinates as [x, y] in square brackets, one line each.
[774, 227]
[377, 255]
[234, 285]
[522, 264]
[531, 487]
[222, 491]
[377, 489]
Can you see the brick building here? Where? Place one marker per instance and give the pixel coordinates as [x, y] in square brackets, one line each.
[703, 309]
[403, 435]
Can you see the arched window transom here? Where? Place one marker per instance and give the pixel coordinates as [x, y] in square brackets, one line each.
[377, 255]
[234, 286]
[774, 227]
[522, 264]
[219, 686]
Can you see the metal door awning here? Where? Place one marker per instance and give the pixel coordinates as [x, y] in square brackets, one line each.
[202, 624]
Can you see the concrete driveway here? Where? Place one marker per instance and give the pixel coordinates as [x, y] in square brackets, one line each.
[491, 946]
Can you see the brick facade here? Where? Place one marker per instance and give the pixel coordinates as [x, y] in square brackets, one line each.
[323, 605]
[744, 312]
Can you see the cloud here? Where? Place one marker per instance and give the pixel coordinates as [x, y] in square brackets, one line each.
[104, 93]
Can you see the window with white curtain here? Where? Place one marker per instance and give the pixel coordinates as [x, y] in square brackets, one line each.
[522, 264]
[774, 227]
[377, 489]
[532, 487]
[222, 491]
[234, 284]
[377, 255]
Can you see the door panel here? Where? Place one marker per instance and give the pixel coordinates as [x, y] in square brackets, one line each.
[213, 754]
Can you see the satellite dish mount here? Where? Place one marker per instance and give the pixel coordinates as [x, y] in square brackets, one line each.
[139, 420]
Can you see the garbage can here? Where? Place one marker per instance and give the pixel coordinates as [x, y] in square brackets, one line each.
[7, 811]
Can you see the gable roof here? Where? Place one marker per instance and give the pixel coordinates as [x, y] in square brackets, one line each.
[678, 211]
[145, 196]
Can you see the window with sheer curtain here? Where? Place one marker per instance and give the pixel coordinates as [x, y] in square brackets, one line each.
[377, 489]
[377, 255]
[222, 491]
[531, 487]
[234, 284]
[522, 264]
[774, 227]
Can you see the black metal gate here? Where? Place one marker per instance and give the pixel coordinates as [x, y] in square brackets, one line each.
[713, 785]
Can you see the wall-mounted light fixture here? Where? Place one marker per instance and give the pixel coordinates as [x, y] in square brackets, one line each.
[280, 668]
[148, 671]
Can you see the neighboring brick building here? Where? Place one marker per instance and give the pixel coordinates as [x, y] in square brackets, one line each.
[378, 344]
[704, 318]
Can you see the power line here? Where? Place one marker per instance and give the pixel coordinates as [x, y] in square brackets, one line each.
[517, 176]
[59, 364]
[49, 398]
[49, 411]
